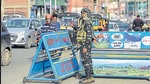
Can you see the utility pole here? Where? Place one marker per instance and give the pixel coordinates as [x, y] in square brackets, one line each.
[44, 7]
[147, 8]
[95, 8]
[76, 6]
[119, 8]
[55, 4]
[127, 8]
[50, 2]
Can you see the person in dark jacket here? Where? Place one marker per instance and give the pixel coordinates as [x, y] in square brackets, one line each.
[84, 39]
[137, 24]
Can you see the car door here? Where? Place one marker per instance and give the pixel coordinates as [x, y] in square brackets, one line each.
[35, 25]
[5, 37]
[32, 29]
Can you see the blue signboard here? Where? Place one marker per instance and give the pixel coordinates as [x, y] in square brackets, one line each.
[57, 40]
[123, 40]
[145, 40]
[132, 40]
[67, 66]
[47, 65]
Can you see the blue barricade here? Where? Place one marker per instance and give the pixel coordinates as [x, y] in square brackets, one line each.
[50, 64]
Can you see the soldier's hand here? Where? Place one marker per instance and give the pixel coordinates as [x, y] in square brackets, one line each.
[95, 41]
[84, 50]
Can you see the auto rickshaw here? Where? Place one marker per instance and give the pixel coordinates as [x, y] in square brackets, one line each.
[146, 26]
[99, 23]
[66, 19]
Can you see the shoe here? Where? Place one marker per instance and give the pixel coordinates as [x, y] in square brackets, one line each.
[87, 80]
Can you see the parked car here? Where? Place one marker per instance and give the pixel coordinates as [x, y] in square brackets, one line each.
[113, 27]
[9, 16]
[123, 26]
[42, 21]
[6, 52]
[146, 26]
[23, 31]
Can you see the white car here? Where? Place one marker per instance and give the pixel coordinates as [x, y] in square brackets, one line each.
[22, 31]
[113, 27]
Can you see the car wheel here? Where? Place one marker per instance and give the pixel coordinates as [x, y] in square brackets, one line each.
[5, 59]
[28, 44]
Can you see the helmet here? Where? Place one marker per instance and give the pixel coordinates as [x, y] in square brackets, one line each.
[86, 10]
[48, 16]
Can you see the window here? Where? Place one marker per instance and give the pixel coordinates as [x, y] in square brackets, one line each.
[3, 28]
[115, 26]
[17, 23]
[37, 23]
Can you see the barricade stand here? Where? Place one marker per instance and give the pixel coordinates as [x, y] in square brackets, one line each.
[54, 60]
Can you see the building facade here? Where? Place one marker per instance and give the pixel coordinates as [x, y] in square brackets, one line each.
[95, 7]
[22, 7]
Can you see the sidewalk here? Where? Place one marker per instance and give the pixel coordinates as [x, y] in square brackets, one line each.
[73, 80]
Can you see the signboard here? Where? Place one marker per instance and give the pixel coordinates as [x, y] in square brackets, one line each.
[121, 68]
[66, 67]
[57, 40]
[145, 40]
[123, 40]
[132, 40]
[102, 40]
[116, 40]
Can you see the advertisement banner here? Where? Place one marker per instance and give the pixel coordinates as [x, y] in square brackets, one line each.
[145, 40]
[116, 40]
[132, 40]
[124, 68]
[102, 40]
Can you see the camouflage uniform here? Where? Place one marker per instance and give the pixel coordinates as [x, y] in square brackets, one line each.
[84, 39]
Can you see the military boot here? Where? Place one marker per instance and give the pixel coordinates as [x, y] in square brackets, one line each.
[87, 80]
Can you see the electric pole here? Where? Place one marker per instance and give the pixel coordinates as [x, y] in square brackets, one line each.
[95, 8]
[119, 8]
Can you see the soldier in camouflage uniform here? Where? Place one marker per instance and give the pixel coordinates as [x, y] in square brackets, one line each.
[84, 39]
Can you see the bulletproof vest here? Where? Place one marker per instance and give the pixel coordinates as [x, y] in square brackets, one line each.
[81, 34]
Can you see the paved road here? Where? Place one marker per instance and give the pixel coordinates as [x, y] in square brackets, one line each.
[21, 62]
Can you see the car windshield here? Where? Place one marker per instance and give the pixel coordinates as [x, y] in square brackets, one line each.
[17, 23]
[65, 21]
[95, 22]
[110, 26]
[43, 21]
[5, 18]
[123, 25]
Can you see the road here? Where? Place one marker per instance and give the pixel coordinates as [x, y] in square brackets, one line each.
[21, 62]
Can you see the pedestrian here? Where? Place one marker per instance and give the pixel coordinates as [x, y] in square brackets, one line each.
[47, 23]
[84, 39]
[49, 26]
[137, 24]
[55, 21]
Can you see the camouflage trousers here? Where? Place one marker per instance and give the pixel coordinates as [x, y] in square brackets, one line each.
[87, 61]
